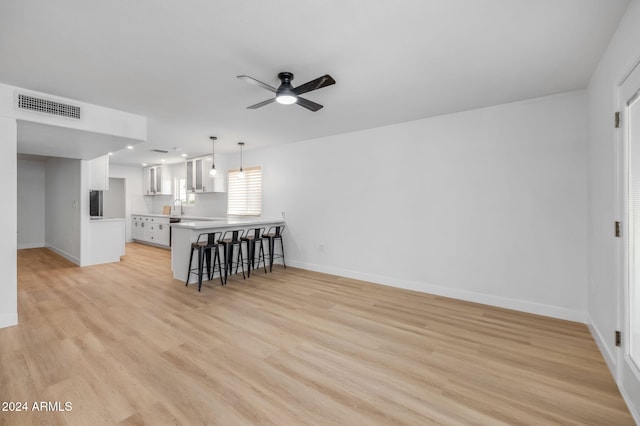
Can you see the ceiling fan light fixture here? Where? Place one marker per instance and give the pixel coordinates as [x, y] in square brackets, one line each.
[286, 99]
[286, 94]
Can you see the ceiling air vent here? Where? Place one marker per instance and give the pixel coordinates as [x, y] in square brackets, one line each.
[161, 151]
[48, 107]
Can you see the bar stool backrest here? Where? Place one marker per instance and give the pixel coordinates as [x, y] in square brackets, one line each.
[211, 238]
[232, 236]
[276, 231]
[254, 233]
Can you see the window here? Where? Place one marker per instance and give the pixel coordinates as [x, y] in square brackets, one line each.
[245, 192]
[187, 198]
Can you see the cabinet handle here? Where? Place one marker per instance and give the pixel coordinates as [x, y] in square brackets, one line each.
[160, 226]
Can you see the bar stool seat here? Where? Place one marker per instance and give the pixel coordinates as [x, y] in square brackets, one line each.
[204, 245]
[252, 238]
[272, 235]
[230, 240]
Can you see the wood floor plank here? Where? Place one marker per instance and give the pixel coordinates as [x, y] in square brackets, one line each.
[127, 344]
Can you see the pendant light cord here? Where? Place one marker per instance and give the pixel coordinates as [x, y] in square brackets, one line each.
[213, 171]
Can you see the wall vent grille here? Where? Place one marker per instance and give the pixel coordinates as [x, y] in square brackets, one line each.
[48, 107]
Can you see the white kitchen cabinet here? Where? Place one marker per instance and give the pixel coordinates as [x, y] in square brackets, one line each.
[151, 229]
[195, 168]
[136, 228]
[149, 232]
[157, 180]
[99, 174]
[198, 178]
[162, 233]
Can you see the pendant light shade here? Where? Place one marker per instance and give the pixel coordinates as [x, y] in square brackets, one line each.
[241, 171]
[213, 170]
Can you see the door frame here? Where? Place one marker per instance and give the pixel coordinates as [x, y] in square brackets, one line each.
[627, 374]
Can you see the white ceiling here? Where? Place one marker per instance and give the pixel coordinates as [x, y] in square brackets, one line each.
[66, 143]
[176, 62]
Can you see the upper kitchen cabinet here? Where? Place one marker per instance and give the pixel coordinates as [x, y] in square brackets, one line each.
[198, 177]
[99, 174]
[157, 180]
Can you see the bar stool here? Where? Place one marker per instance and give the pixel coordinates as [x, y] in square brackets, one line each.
[230, 240]
[205, 243]
[253, 237]
[275, 233]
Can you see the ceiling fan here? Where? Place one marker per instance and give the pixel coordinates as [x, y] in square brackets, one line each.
[287, 94]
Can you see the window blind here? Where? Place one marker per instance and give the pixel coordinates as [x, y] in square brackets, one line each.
[245, 192]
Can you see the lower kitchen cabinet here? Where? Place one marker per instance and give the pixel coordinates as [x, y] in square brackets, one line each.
[151, 229]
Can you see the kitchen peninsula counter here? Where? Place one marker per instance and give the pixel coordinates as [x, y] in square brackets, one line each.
[186, 232]
[181, 217]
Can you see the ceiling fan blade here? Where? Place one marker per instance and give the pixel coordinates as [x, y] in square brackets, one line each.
[261, 104]
[306, 103]
[318, 83]
[257, 83]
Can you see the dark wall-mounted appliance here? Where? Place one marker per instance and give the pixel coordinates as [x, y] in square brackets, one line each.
[95, 203]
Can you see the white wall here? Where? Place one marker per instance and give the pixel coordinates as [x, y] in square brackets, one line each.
[206, 205]
[64, 206]
[30, 203]
[134, 200]
[486, 205]
[604, 312]
[95, 118]
[8, 218]
[114, 199]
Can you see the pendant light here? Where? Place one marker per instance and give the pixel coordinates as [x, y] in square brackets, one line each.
[213, 170]
[241, 171]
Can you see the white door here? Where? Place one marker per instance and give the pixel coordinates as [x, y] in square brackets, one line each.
[629, 294]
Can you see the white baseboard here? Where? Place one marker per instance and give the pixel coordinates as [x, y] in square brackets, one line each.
[605, 350]
[612, 363]
[632, 405]
[469, 296]
[30, 245]
[64, 254]
[8, 320]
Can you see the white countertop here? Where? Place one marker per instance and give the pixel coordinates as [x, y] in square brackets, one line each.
[106, 219]
[184, 217]
[224, 223]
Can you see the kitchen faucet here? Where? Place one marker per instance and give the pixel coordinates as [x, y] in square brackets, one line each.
[177, 200]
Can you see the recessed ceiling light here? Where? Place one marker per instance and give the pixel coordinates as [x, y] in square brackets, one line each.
[111, 153]
[144, 164]
[184, 155]
[163, 160]
[129, 147]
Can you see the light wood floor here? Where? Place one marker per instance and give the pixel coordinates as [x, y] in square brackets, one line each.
[127, 344]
